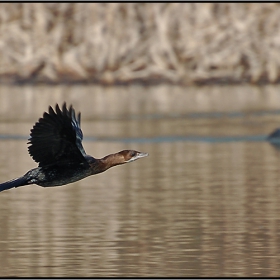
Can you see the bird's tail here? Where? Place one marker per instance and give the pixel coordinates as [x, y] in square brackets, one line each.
[21, 181]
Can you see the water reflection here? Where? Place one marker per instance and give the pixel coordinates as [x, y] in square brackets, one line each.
[213, 215]
[193, 208]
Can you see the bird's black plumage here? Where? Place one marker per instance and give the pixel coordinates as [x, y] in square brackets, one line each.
[57, 137]
[56, 145]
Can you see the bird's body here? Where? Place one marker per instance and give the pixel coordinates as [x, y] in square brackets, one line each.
[56, 144]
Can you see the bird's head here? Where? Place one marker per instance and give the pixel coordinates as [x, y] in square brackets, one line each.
[131, 155]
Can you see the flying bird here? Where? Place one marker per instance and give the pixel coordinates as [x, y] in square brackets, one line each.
[56, 145]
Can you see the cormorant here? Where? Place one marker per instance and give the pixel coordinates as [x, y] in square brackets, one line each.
[56, 144]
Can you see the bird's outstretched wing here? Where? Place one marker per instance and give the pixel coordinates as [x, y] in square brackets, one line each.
[57, 137]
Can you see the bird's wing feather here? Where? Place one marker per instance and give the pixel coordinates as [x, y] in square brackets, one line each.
[57, 136]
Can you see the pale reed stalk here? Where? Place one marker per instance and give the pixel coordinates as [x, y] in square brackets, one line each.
[125, 42]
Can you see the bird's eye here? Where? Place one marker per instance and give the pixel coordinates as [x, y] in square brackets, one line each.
[133, 153]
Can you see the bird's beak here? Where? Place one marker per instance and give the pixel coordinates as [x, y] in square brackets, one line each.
[138, 155]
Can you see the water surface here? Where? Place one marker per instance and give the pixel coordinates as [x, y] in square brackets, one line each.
[204, 203]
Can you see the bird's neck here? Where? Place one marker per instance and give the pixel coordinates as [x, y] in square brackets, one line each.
[101, 165]
[112, 160]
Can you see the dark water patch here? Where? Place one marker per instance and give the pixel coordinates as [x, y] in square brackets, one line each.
[160, 139]
[194, 115]
[13, 137]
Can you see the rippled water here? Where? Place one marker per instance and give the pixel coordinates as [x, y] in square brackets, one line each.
[205, 202]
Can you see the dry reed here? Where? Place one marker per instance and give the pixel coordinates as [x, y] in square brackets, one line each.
[124, 42]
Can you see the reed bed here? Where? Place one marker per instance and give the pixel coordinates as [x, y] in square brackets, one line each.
[126, 42]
